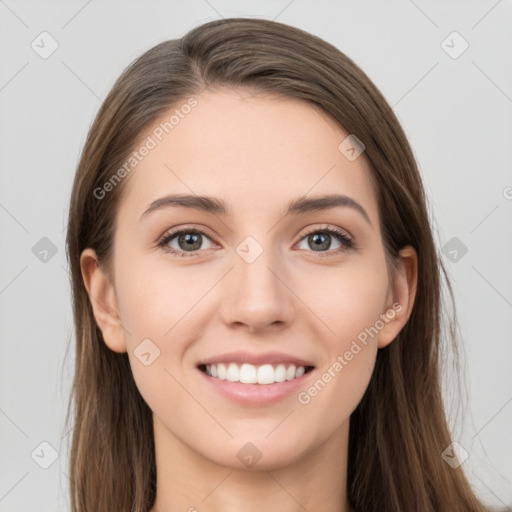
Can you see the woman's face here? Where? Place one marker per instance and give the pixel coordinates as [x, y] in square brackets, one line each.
[258, 282]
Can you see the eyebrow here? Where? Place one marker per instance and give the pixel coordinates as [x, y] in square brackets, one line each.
[219, 207]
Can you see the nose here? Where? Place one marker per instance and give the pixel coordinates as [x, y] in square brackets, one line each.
[256, 294]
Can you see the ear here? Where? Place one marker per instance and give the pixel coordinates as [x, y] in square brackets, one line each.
[401, 296]
[103, 300]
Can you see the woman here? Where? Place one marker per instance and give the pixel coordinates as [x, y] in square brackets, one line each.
[256, 289]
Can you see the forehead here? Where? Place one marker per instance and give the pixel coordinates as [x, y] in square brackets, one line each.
[254, 151]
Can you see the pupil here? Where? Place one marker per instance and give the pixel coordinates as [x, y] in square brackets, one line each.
[318, 243]
[192, 241]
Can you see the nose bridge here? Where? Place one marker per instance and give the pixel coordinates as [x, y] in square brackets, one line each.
[257, 296]
[252, 269]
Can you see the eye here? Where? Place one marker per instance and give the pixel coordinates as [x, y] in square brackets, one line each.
[187, 242]
[184, 242]
[320, 240]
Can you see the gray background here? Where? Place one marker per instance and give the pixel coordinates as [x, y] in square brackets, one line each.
[455, 111]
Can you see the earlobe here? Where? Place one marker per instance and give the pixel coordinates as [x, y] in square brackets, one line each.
[103, 301]
[401, 297]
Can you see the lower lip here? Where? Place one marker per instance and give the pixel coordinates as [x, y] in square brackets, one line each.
[256, 394]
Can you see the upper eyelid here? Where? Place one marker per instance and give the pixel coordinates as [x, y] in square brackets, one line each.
[326, 227]
[171, 233]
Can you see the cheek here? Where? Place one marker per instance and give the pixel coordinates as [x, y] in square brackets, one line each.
[347, 301]
[156, 315]
[161, 310]
[155, 298]
[351, 309]
[162, 303]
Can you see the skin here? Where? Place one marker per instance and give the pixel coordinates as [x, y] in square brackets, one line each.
[256, 152]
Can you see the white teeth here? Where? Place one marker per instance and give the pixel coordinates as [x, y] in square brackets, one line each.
[221, 370]
[266, 374]
[290, 372]
[250, 374]
[233, 373]
[280, 373]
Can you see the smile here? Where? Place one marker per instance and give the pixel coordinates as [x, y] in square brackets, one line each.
[255, 374]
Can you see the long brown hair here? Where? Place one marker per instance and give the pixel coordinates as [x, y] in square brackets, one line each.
[399, 430]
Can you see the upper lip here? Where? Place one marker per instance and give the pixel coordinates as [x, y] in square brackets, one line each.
[255, 359]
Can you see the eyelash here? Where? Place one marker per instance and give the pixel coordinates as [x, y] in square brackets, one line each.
[340, 235]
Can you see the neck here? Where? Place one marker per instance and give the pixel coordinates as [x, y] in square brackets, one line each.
[189, 482]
